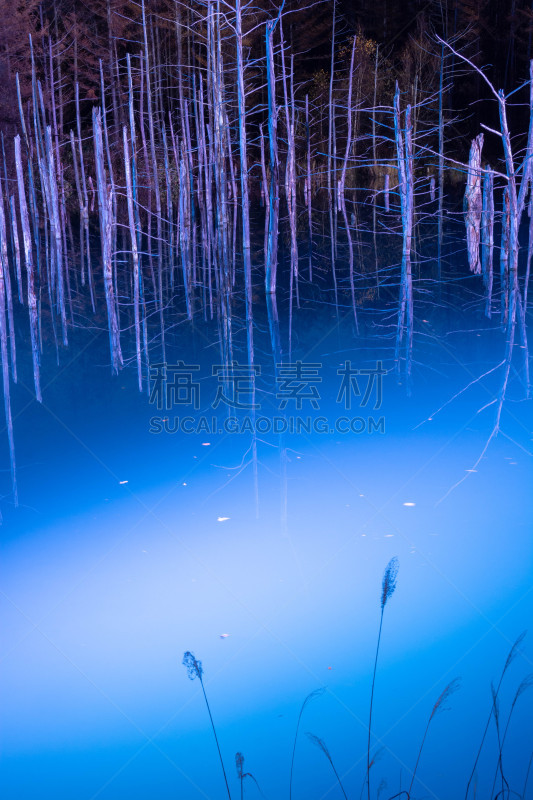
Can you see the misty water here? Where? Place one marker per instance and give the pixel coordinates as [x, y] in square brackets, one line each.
[137, 540]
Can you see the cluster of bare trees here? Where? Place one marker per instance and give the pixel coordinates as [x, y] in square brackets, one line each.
[140, 198]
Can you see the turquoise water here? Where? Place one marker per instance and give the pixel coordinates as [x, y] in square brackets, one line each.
[132, 547]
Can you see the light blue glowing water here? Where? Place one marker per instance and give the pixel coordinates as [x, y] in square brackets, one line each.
[132, 548]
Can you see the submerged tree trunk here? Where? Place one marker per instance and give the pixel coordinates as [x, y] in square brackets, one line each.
[404, 153]
[4, 267]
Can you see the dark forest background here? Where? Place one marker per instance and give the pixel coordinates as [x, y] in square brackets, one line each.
[70, 37]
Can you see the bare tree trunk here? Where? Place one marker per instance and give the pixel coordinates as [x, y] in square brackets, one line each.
[16, 245]
[85, 208]
[155, 180]
[134, 233]
[4, 267]
[7, 284]
[330, 103]
[504, 256]
[308, 193]
[106, 234]
[349, 126]
[404, 153]
[529, 253]
[28, 258]
[441, 170]
[273, 214]
[290, 174]
[487, 237]
[55, 224]
[474, 203]
[245, 203]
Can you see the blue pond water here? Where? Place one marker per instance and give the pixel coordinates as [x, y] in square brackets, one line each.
[131, 547]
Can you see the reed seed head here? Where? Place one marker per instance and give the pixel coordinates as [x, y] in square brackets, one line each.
[239, 763]
[513, 651]
[452, 687]
[389, 581]
[194, 667]
[316, 740]
[524, 686]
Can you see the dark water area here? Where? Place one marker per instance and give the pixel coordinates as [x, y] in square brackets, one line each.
[140, 536]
